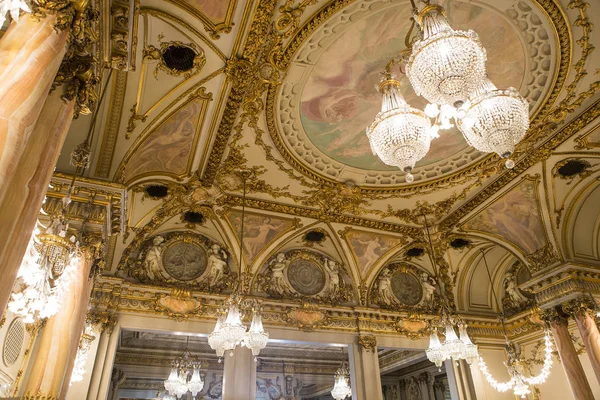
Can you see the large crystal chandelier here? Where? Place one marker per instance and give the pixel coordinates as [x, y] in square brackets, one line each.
[446, 67]
[341, 388]
[14, 7]
[400, 135]
[519, 382]
[184, 377]
[229, 331]
[45, 272]
[454, 347]
[494, 121]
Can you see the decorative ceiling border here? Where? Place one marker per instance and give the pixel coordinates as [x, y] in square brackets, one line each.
[214, 30]
[539, 154]
[237, 71]
[563, 34]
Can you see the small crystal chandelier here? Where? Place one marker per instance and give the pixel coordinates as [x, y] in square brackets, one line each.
[519, 383]
[400, 135]
[229, 331]
[454, 347]
[45, 272]
[445, 65]
[341, 388]
[184, 367]
[85, 343]
[494, 121]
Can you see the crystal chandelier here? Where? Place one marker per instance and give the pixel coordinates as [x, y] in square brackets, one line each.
[447, 68]
[519, 382]
[494, 121]
[184, 377]
[85, 343]
[45, 272]
[400, 135]
[14, 7]
[341, 388]
[454, 348]
[229, 331]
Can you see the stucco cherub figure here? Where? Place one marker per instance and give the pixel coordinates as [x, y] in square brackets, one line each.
[278, 266]
[428, 286]
[152, 262]
[514, 299]
[333, 270]
[217, 264]
[386, 295]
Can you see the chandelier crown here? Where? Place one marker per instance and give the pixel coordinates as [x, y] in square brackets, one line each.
[446, 65]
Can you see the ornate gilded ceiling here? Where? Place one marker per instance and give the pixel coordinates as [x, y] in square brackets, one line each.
[279, 94]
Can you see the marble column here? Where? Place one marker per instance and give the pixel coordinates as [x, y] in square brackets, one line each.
[239, 375]
[23, 192]
[580, 388]
[364, 368]
[57, 349]
[582, 310]
[106, 321]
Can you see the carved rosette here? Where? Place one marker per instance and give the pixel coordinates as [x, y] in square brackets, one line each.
[305, 275]
[404, 287]
[182, 259]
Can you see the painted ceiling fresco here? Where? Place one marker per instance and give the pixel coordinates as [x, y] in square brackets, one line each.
[340, 99]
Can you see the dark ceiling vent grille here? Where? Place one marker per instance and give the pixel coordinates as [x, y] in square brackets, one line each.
[459, 243]
[415, 252]
[314, 236]
[572, 168]
[193, 217]
[179, 58]
[157, 191]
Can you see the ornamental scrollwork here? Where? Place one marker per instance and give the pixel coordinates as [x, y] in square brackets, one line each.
[152, 52]
[182, 259]
[404, 287]
[306, 275]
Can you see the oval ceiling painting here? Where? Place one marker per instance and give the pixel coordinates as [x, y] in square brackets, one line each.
[330, 95]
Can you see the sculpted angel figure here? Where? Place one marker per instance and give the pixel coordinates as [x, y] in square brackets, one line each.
[333, 270]
[386, 295]
[428, 289]
[217, 262]
[153, 257]
[515, 296]
[278, 265]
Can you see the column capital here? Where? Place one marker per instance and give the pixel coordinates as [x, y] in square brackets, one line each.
[579, 306]
[104, 320]
[554, 317]
[368, 343]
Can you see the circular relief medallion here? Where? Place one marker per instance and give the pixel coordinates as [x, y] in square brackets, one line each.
[306, 277]
[407, 288]
[184, 261]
